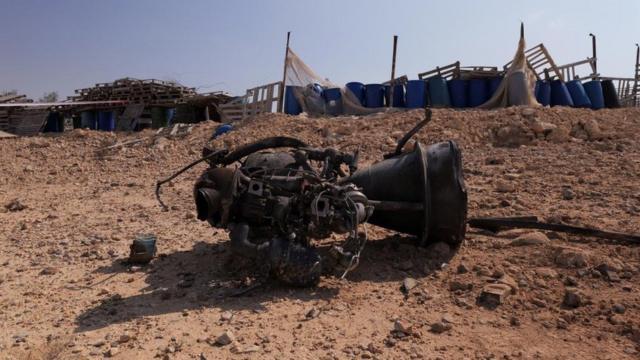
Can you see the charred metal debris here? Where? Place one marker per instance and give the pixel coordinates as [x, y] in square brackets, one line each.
[279, 201]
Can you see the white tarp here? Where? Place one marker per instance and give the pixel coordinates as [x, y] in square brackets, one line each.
[301, 75]
[518, 85]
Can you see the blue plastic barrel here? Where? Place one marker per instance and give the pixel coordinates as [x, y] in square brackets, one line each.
[357, 89]
[611, 100]
[543, 92]
[374, 95]
[88, 120]
[291, 105]
[222, 129]
[559, 94]
[333, 101]
[106, 121]
[438, 92]
[578, 94]
[398, 95]
[458, 90]
[594, 92]
[478, 92]
[416, 96]
[494, 84]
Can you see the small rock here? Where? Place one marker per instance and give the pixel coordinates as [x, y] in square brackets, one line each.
[48, 271]
[237, 349]
[562, 324]
[592, 129]
[112, 352]
[389, 341]
[611, 276]
[124, 338]
[608, 272]
[447, 318]
[462, 269]
[559, 135]
[456, 285]
[509, 281]
[573, 298]
[403, 327]
[570, 257]
[505, 203]
[408, 284]
[99, 343]
[531, 238]
[514, 321]
[539, 302]
[547, 273]
[439, 327]
[494, 161]
[542, 127]
[618, 308]
[226, 316]
[20, 338]
[570, 281]
[568, 194]
[160, 143]
[615, 320]
[225, 338]
[313, 313]
[372, 348]
[493, 295]
[15, 205]
[503, 186]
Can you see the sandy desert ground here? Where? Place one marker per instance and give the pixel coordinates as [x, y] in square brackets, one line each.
[68, 213]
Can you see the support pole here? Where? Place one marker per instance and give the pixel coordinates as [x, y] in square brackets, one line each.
[393, 71]
[595, 57]
[636, 77]
[284, 76]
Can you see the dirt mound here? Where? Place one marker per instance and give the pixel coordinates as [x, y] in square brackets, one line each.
[71, 204]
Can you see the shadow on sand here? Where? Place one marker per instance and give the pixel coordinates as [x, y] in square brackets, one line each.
[209, 276]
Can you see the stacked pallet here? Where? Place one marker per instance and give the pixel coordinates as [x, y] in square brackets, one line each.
[9, 117]
[148, 92]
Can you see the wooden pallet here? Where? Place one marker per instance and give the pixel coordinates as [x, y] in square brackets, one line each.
[256, 101]
[541, 63]
[568, 71]
[455, 71]
[149, 91]
[451, 71]
[27, 122]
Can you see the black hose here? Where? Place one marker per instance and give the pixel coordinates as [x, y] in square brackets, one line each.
[245, 150]
[159, 183]
[241, 245]
[409, 135]
[268, 143]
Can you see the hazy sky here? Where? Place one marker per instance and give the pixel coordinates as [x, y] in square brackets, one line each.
[230, 45]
